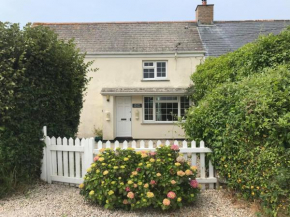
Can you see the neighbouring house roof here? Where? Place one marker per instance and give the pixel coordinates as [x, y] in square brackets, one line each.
[142, 91]
[131, 36]
[227, 36]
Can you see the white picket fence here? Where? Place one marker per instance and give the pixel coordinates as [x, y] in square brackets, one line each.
[66, 160]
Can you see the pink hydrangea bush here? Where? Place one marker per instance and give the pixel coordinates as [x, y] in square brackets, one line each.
[131, 180]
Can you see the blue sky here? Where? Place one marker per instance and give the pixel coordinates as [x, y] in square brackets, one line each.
[23, 11]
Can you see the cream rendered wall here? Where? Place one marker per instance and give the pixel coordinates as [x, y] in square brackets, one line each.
[128, 72]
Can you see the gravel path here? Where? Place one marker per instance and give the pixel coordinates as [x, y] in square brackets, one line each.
[60, 200]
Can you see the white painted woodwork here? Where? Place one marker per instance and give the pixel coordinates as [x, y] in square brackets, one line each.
[123, 116]
[78, 159]
[59, 157]
[67, 160]
[71, 159]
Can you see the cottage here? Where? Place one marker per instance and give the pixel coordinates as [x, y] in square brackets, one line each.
[139, 90]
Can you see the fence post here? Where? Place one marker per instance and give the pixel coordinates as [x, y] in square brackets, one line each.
[43, 175]
[88, 154]
[91, 148]
[48, 160]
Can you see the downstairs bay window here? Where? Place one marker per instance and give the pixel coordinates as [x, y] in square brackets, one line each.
[164, 108]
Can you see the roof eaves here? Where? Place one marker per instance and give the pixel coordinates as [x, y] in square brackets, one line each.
[240, 21]
[121, 22]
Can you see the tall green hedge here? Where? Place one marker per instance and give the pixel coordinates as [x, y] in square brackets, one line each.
[242, 112]
[42, 81]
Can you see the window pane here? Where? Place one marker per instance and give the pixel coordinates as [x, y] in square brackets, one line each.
[161, 69]
[166, 112]
[148, 73]
[148, 64]
[166, 98]
[184, 105]
[148, 108]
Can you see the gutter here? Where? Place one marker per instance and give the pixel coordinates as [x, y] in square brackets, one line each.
[143, 54]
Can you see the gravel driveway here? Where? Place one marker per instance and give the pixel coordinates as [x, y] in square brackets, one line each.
[60, 200]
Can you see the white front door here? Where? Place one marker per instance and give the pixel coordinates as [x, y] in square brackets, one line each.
[124, 126]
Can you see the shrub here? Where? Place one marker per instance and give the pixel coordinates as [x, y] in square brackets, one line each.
[42, 81]
[247, 125]
[129, 180]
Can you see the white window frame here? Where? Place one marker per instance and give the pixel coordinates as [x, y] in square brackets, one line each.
[155, 69]
[154, 108]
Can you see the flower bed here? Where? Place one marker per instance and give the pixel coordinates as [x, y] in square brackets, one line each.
[131, 180]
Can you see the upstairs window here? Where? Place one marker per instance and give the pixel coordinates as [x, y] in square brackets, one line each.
[154, 70]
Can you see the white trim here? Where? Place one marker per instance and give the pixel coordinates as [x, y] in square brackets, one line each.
[154, 109]
[144, 80]
[155, 69]
[142, 93]
[116, 118]
[146, 54]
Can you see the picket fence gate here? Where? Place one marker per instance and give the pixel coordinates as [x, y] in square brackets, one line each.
[66, 160]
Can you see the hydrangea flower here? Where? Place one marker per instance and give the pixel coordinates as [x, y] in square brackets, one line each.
[194, 183]
[150, 194]
[166, 202]
[105, 172]
[180, 173]
[130, 195]
[174, 147]
[188, 172]
[180, 159]
[193, 168]
[171, 195]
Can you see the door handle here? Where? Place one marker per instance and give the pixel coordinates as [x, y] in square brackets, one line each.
[123, 119]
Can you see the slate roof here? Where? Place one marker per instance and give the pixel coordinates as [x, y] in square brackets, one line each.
[227, 36]
[131, 36]
[148, 90]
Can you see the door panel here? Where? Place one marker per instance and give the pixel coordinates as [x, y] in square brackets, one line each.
[123, 110]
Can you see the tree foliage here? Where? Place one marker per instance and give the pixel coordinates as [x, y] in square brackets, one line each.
[42, 81]
[242, 111]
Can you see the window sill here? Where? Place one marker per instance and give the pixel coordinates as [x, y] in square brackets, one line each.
[149, 80]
